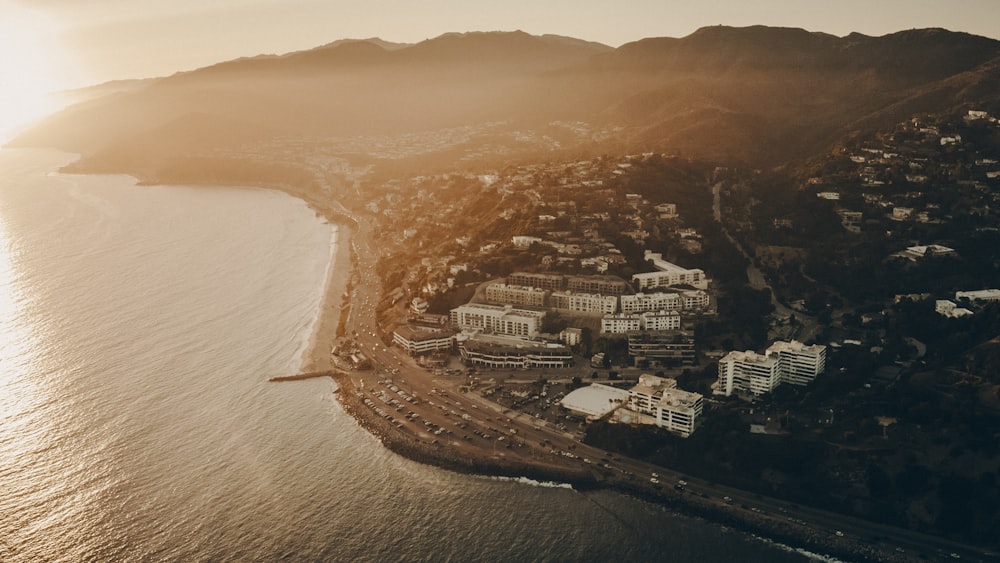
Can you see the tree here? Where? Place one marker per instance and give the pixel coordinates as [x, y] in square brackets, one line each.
[554, 323]
[587, 340]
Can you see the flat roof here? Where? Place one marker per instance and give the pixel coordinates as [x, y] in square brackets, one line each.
[416, 333]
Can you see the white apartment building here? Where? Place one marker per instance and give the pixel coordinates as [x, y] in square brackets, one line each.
[799, 364]
[664, 301]
[516, 295]
[671, 408]
[678, 411]
[694, 299]
[747, 372]
[422, 341]
[755, 374]
[551, 282]
[643, 302]
[625, 323]
[661, 320]
[620, 324]
[571, 336]
[668, 274]
[496, 319]
[646, 393]
[583, 302]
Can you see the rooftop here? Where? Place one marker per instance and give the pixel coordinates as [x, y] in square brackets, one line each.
[595, 400]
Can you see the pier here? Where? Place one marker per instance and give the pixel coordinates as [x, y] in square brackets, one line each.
[301, 376]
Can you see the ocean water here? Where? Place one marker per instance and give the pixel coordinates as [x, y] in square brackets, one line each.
[138, 327]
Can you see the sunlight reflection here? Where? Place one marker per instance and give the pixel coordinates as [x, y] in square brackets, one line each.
[16, 339]
[31, 68]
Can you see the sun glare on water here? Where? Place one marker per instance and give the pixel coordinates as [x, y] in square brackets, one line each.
[31, 64]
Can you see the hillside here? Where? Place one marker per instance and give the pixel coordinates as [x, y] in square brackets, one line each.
[758, 95]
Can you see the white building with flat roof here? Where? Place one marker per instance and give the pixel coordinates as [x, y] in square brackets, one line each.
[577, 302]
[984, 295]
[646, 393]
[951, 310]
[496, 319]
[625, 323]
[516, 295]
[799, 364]
[694, 299]
[571, 336]
[750, 373]
[668, 274]
[747, 373]
[678, 411]
[620, 324]
[661, 320]
[674, 409]
[418, 340]
[551, 282]
[643, 302]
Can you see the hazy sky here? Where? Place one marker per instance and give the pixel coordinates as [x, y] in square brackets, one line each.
[97, 40]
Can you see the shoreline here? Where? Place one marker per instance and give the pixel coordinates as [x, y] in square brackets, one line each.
[316, 356]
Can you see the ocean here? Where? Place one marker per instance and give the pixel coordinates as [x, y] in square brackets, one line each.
[138, 327]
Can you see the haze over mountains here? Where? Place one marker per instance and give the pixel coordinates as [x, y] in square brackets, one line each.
[759, 95]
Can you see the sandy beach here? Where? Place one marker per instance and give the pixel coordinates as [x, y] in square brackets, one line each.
[317, 356]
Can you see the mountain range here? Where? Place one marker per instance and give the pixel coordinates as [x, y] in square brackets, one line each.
[756, 95]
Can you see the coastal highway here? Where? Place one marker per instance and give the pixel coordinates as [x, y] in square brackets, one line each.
[432, 409]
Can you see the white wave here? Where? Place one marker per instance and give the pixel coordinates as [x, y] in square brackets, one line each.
[533, 483]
